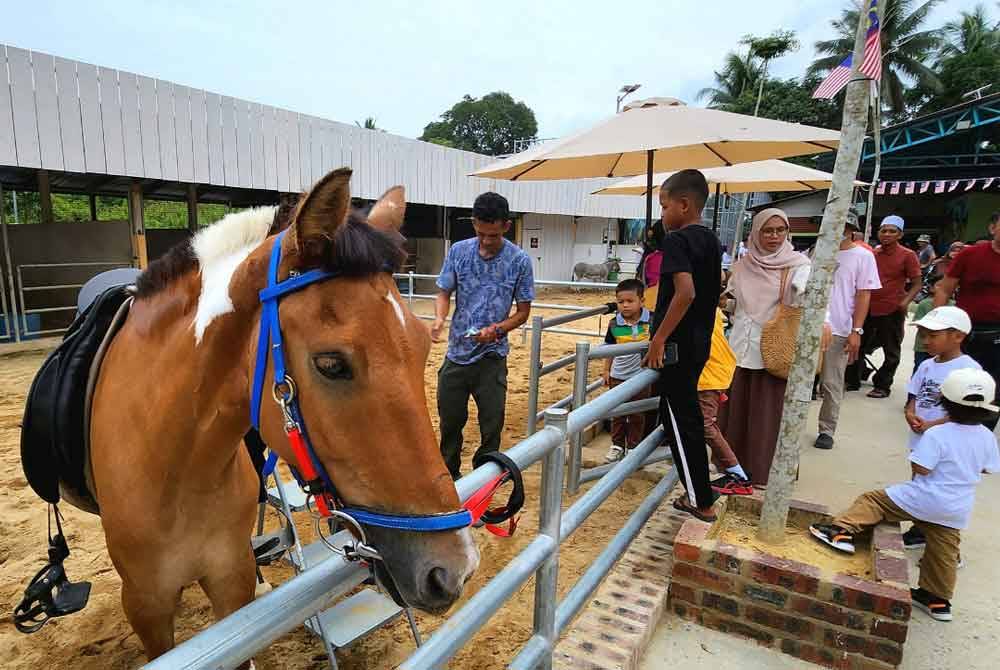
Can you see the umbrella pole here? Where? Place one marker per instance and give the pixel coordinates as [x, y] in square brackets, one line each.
[715, 213]
[649, 189]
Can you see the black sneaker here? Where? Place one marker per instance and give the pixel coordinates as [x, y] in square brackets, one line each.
[938, 608]
[731, 484]
[914, 538]
[824, 441]
[833, 535]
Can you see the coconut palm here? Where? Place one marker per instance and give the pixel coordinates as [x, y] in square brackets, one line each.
[905, 49]
[971, 31]
[738, 74]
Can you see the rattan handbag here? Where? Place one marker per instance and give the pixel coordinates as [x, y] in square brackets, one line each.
[778, 336]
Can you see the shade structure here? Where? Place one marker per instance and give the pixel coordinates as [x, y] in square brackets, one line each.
[662, 136]
[758, 176]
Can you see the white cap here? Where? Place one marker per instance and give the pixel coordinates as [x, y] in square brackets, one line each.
[970, 387]
[942, 318]
[893, 220]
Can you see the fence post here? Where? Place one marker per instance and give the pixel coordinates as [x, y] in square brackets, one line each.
[409, 297]
[580, 374]
[549, 522]
[13, 323]
[534, 368]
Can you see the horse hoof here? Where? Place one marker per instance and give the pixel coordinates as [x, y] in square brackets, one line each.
[261, 589]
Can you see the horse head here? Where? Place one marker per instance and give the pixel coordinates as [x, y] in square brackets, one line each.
[357, 356]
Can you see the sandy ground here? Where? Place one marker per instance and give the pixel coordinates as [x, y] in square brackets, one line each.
[870, 453]
[100, 638]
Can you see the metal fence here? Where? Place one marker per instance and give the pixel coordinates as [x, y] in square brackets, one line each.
[251, 629]
[25, 288]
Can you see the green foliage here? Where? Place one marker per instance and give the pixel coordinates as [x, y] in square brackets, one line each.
[790, 100]
[367, 124]
[487, 125]
[738, 75]
[777, 44]
[906, 50]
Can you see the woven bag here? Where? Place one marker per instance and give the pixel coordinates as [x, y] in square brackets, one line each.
[778, 336]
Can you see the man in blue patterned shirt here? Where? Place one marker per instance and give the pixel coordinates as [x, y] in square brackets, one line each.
[487, 273]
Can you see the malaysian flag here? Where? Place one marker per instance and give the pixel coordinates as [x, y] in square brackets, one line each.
[871, 65]
[910, 187]
[988, 182]
[970, 184]
[881, 188]
[894, 189]
[924, 186]
[939, 187]
[952, 185]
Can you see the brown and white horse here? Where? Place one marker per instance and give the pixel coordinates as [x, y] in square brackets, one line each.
[176, 489]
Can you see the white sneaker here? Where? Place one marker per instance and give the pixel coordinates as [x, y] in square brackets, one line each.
[615, 453]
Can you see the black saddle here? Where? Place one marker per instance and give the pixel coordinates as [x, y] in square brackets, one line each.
[55, 430]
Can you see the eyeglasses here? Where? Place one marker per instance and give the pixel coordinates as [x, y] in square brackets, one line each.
[773, 232]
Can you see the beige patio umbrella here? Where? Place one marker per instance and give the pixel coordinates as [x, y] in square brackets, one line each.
[758, 176]
[659, 135]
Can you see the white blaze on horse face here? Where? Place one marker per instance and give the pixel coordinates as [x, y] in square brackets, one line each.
[396, 308]
[220, 249]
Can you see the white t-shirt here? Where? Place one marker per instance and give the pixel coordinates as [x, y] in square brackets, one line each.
[925, 386]
[856, 271]
[956, 456]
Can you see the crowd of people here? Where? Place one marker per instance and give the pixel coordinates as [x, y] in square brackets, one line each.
[725, 395]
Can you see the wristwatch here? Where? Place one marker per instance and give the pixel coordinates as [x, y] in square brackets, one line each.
[859, 331]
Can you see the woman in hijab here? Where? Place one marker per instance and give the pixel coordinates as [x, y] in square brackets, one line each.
[751, 418]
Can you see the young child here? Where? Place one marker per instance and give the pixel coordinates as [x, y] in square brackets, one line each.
[631, 324]
[920, 353]
[947, 463]
[712, 385]
[942, 331]
[686, 303]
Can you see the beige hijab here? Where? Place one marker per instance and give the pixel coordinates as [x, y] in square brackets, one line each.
[757, 276]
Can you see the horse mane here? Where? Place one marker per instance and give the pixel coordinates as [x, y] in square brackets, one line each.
[357, 250]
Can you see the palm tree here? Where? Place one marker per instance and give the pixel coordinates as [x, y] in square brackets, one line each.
[973, 30]
[905, 49]
[738, 74]
[369, 123]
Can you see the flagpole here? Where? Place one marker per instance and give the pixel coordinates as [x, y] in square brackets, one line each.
[877, 136]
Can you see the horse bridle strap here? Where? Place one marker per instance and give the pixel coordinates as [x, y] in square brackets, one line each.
[313, 476]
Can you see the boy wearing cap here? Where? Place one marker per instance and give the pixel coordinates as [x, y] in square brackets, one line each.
[947, 463]
[925, 252]
[897, 267]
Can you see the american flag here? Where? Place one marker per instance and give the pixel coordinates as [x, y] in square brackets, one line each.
[871, 65]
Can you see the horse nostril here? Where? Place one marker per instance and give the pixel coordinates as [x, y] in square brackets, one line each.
[437, 586]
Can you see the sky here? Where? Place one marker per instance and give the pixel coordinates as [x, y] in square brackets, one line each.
[404, 63]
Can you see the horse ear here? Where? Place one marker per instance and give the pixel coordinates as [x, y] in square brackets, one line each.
[387, 213]
[320, 213]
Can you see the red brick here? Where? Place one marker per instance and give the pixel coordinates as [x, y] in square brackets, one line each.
[687, 611]
[879, 598]
[596, 649]
[789, 624]
[726, 625]
[639, 615]
[723, 604]
[707, 578]
[689, 553]
[818, 655]
[769, 596]
[881, 650]
[843, 641]
[890, 568]
[889, 630]
[680, 591]
[725, 558]
[819, 610]
[783, 572]
[887, 536]
[692, 531]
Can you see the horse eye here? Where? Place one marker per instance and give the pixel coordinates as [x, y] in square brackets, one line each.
[333, 366]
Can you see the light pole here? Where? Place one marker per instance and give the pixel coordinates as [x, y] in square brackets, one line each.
[625, 91]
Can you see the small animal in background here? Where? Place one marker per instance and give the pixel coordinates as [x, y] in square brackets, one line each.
[596, 272]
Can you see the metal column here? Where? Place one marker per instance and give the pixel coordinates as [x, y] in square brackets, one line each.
[549, 523]
[580, 372]
[11, 306]
[534, 373]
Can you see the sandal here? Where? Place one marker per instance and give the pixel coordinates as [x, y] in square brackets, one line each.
[681, 505]
[878, 393]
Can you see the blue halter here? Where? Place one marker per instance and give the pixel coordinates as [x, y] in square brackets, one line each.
[284, 391]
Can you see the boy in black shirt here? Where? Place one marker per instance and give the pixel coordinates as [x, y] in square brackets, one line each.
[685, 315]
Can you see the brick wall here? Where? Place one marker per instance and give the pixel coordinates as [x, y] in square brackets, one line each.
[836, 621]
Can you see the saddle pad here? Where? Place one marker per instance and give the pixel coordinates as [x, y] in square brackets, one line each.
[54, 436]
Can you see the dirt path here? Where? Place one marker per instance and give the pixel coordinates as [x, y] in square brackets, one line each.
[100, 638]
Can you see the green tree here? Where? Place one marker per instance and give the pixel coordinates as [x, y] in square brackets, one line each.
[767, 49]
[487, 125]
[367, 124]
[971, 32]
[906, 50]
[791, 100]
[738, 74]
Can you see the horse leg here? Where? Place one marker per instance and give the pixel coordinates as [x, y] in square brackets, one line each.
[230, 585]
[150, 611]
